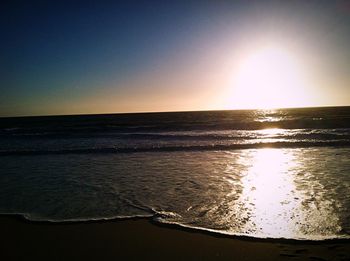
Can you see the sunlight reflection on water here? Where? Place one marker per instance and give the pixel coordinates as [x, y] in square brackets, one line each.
[276, 197]
[268, 192]
[272, 115]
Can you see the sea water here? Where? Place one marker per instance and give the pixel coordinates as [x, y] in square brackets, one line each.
[261, 173]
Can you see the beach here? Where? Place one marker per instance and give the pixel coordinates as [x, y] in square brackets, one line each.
[141, 239]
[179, 130]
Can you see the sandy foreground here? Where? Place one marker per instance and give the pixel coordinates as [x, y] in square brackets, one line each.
[141, 239]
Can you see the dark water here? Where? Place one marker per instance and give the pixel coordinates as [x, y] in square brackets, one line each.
[261, 173]
[176, 131]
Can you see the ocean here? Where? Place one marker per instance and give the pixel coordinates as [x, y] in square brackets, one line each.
[281, 173]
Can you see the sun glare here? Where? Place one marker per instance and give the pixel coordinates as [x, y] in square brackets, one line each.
[269, 187]
[269, 78]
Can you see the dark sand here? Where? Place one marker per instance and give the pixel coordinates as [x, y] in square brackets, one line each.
[141, 239]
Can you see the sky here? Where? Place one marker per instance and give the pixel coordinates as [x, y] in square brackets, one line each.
[141, 56]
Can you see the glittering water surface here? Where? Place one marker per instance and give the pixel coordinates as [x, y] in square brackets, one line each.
[283, 173]
[291, 193]
[285, 195]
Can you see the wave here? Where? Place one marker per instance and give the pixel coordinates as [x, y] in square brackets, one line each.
[160, 218]
[37, 218]
[197, 136]
[213, 147]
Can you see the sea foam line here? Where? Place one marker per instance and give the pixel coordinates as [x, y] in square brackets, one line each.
[158, 220]
[304, 144]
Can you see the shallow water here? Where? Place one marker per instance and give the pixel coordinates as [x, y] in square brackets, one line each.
[290, 193]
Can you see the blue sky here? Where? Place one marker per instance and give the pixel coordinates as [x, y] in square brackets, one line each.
[127, 56]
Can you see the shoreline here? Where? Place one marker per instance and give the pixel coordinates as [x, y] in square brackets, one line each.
[143, 238]
[212, 233]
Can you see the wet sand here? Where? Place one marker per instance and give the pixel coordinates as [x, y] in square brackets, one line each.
[141, 239]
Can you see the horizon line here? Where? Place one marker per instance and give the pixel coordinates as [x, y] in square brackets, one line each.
[175, 111]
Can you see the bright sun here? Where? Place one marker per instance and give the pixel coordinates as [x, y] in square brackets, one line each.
[269, 78]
